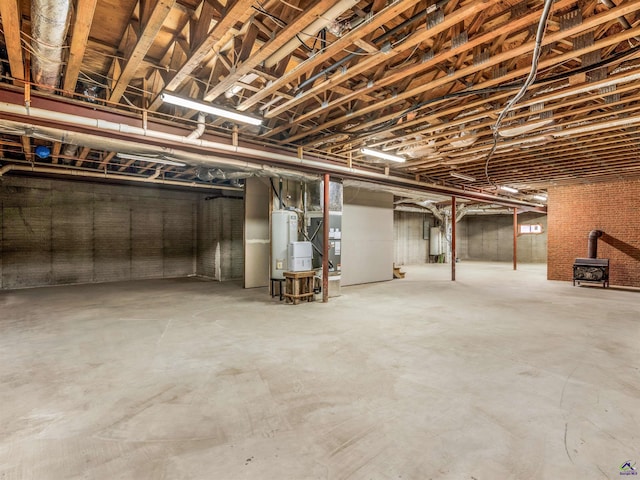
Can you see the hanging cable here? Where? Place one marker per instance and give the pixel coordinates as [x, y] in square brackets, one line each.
[501, 88]
[275, 192]
[281, 23]
[537, 52]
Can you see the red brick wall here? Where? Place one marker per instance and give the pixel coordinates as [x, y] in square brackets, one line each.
[573, 211]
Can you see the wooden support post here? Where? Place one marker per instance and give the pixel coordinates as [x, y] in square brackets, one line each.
[515, 238]
[453, 239]
[325, 241]
[234, 136]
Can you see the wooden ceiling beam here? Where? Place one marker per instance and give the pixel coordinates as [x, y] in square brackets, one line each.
[516, 74]
[414, 39]
[479, 104]
[584, 112]
[83, 19]
[513, 26]
[588, 24]
[238, 12]
[26, 148]
[269, 48]
[82, 156]
[55, 153]
[380, 18]
[157, 16]
[106, 159]
[11, 25]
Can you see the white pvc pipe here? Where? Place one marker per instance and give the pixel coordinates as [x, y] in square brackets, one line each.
[197, 133]
[254, 154]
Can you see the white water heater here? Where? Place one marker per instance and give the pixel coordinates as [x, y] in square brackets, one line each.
[284, 230]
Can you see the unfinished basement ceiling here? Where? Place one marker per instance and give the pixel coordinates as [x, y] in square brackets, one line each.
[423, 79]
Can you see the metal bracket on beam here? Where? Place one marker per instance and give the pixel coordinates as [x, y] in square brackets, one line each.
[435, 18]
[481, 57]
[570, 19]
[459, 40]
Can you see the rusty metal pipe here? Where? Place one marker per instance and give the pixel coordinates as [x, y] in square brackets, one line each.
[325, 241]
[453, 239]
[515, 238]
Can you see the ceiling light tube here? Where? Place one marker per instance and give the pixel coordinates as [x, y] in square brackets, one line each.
[509, 189]
[126, 156]
[206, 108]
[462, 176]
[384, 156]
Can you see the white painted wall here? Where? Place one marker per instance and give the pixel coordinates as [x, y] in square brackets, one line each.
[256, 232]
[367, 236]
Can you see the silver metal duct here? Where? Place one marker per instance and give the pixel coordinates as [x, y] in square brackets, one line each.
[70, 150]
[208, 174]
[112, 176]
[253, 155]
[49, 24]
[241, 169]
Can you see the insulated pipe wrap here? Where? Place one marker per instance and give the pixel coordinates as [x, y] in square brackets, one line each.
[50, 21]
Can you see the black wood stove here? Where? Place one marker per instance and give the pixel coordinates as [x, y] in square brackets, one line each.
[592, 269]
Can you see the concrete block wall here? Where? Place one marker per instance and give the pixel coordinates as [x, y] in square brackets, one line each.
[57, 232]
[220, 247]
[490, 238]
[410, 246]
[611, 207]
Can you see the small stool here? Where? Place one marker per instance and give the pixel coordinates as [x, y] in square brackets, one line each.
[279, 281]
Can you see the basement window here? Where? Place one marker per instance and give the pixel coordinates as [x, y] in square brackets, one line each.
[528, 229]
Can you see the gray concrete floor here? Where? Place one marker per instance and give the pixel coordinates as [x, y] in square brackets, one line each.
[502, 375]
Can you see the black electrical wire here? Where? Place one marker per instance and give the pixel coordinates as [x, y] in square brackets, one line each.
[276, 193]
[537, 52]
[501, 88]
[282, 23]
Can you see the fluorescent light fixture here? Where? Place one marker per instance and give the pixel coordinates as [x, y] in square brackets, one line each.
[206, 108]
[509, 189]
[126, 156]
[542, 198]
[462, 176]
[384, 156]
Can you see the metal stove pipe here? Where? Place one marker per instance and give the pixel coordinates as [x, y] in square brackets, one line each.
[593, 243]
